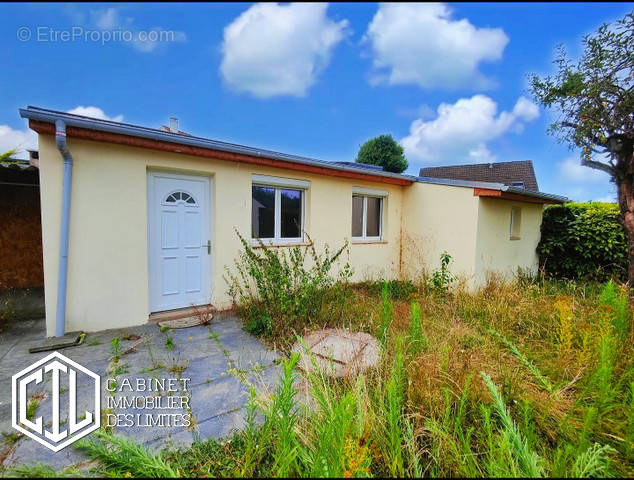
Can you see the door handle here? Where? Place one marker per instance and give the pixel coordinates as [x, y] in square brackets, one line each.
[208, 247]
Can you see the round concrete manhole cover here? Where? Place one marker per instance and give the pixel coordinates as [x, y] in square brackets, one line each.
[338, 353]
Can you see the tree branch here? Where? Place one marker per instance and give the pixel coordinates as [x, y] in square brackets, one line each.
[594, 138]
[598, 166]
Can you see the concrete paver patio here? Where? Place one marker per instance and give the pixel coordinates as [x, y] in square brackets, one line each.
[216, 358]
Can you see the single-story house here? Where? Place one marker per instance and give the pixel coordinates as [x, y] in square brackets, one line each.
[137, 220]
[514, 174]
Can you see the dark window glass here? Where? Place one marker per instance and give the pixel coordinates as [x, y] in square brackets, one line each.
[373, 225]
[170, 199]
[291, 213]
[177, 195]
[357, 216]
[263, 212]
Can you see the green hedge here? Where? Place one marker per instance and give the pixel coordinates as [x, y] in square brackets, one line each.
[583, 241]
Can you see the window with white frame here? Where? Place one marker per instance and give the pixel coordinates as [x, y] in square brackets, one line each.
[277, 209]
[367, 214]
[516, 223]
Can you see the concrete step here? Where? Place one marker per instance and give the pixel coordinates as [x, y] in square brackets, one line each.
[180, 313]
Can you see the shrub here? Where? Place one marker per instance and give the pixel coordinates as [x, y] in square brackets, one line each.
[583, 241]
[442, 279]
[281, 290]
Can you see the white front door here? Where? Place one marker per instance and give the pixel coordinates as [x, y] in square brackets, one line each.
[179, 241]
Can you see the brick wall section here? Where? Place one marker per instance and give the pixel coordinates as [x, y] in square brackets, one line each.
[499, 172]
[20, 230]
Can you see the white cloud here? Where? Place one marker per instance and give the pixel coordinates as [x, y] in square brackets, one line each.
[581, 184]
[274, 49]
[525, 109]
[22, 140]
[421, 44]
[571, 170]
[460, 131]
[142, 39]
[19, 140]
[106, 19]
[95, 112]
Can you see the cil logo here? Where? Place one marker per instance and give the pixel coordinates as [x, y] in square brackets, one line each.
[66, 384]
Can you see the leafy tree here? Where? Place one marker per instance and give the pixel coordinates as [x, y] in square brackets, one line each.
[384, 151]
[594, 101]
[6, 156]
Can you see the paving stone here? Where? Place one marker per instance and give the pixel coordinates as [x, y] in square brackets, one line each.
[266, 380]
[215, 398]
[5, 419]
[337, 352]
[217, 401]
[246, 351]
[197, 332]
[222, 426]
[226, 325]
[176, 440]
[200, 348]
[204, 370]
[85, 352]
[145, 434]
[145, 361]
[29, 452]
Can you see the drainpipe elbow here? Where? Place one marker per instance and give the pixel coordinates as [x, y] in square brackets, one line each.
[60, 141]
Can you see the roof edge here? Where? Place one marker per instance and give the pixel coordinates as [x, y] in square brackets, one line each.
[493, 186]
[89, 123]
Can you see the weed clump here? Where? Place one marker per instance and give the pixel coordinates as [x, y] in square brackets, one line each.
[279, 292]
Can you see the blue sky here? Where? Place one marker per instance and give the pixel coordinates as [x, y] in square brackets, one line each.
[446, 80]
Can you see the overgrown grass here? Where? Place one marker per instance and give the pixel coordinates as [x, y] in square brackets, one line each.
[533, 378]
[121, 456]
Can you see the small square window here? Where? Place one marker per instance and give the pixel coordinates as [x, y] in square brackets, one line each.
[516, 223]
[367, 217]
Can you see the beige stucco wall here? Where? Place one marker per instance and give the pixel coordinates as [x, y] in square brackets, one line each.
[108, 259]
[495, 251]
[437, 219]
[108, 262]
[473, 230]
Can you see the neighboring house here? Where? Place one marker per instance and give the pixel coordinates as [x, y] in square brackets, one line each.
[154, 214]
[515, 174]
[20, 225]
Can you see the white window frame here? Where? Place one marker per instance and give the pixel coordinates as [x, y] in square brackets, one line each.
[279, 184]
[365, 194]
